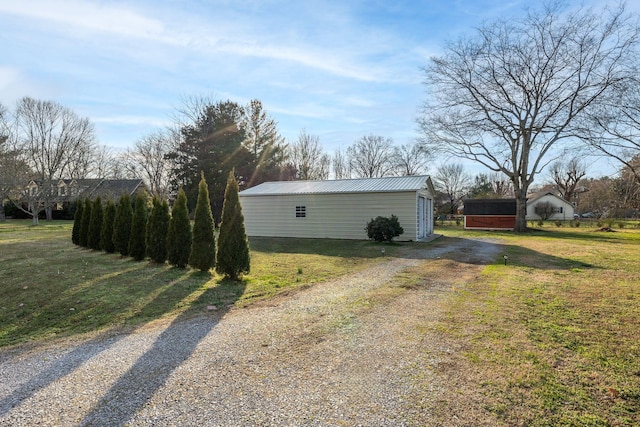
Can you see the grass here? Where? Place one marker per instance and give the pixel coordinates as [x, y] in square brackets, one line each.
[552, 337]
[51, 288]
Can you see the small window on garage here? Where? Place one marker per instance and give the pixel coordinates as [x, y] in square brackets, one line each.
[301, 211]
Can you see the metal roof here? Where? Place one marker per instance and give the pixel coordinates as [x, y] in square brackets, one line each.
[363, 185]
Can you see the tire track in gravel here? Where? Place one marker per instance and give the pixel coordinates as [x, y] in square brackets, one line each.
[345, 352]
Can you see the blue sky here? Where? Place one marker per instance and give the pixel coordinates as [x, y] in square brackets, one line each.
[339, 69]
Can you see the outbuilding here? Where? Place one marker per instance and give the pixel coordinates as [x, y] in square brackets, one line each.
[490, 214]
[338, 209]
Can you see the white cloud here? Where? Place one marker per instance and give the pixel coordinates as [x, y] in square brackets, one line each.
[87, 15]
[192, 32]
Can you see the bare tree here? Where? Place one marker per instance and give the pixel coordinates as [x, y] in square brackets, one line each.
[452, 181]
[308, 159]
[104, 163]
[500, 184]
[410, 159]
[520, 88]
[149, 159]
[52, 138]
[545, 210]
[340, 164]
[567, 175]
[371, 156]
[614, 126]
[14, 172]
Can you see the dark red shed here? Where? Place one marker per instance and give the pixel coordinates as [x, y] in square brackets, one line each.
[490, 214]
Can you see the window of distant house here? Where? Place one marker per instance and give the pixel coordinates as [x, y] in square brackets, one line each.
[301, 211]
[62, 191]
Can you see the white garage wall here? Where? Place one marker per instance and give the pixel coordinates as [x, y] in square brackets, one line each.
[335, 216]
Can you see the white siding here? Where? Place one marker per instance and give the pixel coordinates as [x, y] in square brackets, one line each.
[567, 208]
[336, 216]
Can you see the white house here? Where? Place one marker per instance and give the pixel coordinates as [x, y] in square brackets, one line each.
[338, 209]
[548, 204]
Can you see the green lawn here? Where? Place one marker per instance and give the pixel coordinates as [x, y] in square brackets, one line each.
[553, 337]
[49, 287]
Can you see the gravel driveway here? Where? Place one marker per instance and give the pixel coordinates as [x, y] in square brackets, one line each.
[342, 353]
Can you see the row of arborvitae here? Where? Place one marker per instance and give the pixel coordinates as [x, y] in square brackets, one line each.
[163, 237]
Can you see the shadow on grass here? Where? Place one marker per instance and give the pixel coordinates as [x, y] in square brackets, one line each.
[482, 251]
[150, 372]
[588, 234]
[327, 247]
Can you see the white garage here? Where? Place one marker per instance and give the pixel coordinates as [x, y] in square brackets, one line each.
[338, 209]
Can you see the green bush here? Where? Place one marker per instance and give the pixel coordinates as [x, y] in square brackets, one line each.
[122, 225]
[558, 223]
[106, 234]
[95, 224]
[156, 236]
[137, 247]
[84, 225]
[77, 223]
[233, 247]
[621, 224]
[383, 229]
[203, 245]
[179, 233]
[575, 223]
[540, 222]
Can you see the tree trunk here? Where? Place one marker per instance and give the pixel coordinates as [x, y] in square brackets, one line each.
[521, 212]
[49, 213]
[3, 215]
[34, 219]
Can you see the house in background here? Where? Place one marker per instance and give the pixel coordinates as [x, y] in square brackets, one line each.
[338, 209]
[65, 191]
[490, 214]
[548, 206]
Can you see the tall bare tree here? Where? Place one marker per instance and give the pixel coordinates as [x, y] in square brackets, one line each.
[149, 160]
[340, 165]
[371, 157]
[52, 137]
[516, 90]
[567, 175]
[409, 159]
[103, 163]
[614, 126]
[453, 182]
[14, 172]
[308, 159]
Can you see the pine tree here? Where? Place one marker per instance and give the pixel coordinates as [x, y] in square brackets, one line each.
[122, 225]
[106, 234]
[233, 247]
[179, 233]
[95, 224]
[137, 249]
[84, 225]
[156, 237]
[77, 222]
[203, 246]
